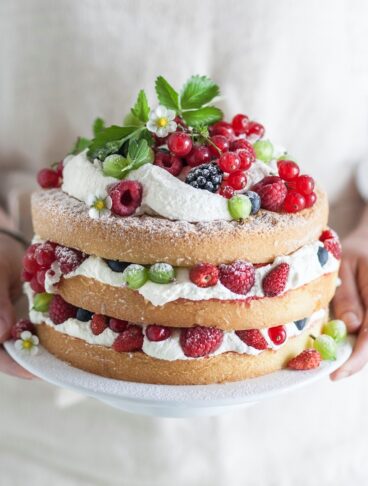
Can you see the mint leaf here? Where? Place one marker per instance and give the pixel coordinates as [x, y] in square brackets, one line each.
[80, 144]
[139, 153]
[109, 140]
[166, 94]
[141, 109]
[98, 126]
[204, 116]
[198, 91]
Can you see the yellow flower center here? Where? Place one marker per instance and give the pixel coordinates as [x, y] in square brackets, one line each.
[162, 122]
[99, 204]
[27, 344]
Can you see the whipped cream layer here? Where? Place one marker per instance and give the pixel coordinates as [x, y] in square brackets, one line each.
[304, 268]
[163, 194]
[169, 349]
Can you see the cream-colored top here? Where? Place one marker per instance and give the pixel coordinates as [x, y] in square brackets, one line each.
[300, 67]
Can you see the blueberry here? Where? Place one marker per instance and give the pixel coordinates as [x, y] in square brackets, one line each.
[301, 323]
[84, 315]
[322, 255]
[116, 266]
[255, 200]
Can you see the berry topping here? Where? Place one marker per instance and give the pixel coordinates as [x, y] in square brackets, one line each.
[301, 323]
[45, 254]
[246, 159]
[199, 155]
[274, 282]
[255, 201]
[199, 341]
[126, 197]
[26, 276]
[30, 264]
[219, 144]
[204, 275]
[242, 144]
[68, 258]
[240, 123]
[294, 202]
[116, 266]
[36, 286]
[98, 324]
[161, 273]
[224, 129]
[254, 128]
[129, 340]
[157, 333]
[306, 360]
[48, 178]
[169, 162]
[237, 180]
[226, 191]
[272, 191]
[41, 302]
[135, 276]
[304, 184]
[117, 325]
[21, 326]
[333, 245]
[277, 334]
[336, 329]
[263, 150]
[322, 255]
[180, 144]
[60, 310]
[288, 169]
[83, 315]
[238, 277]
[310, 199]
[206, 176]
[229, 162]
[326, 346]
[239, 206]
[253, 338]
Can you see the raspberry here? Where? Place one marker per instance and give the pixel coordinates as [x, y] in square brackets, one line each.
[36, 286]
[333, 245]
[306, 360]
[204, 275]
[126, 197]
[68, 258]
[252, 337]
[277, 334]
[29, 260]
[45, 255]
[60, 168]
[98, 324]
[206, 176]
[129, 340]
[48, 178]
[226, 191]
[157, 333]
[199, 341]
[117, 325]
[274, 281]
[60, 310]
[20, 326]
[237, 277]
[26, 276]
[169, 162]
[272, 191]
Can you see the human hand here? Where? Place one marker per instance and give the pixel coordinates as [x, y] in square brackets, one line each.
[10, 285]
[351, 300]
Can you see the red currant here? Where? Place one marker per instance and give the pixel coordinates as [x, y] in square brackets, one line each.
[41, 276]
[60, 168]
[157, 333]
[159, 140]
[227, 132]
[237, 180]
[240, 123]
[277, 334]
[226, 191]
[288, 169]
[310, 200]
[221, 143]
[36, 286]
[117, 325]
[199, 155]
[304, 184]
[45, 255]
[294, 202]
[29, 264]
[48, 178]
[229, 162]
[180, 144]
[246, 159]
[254, 128]
[241, 143]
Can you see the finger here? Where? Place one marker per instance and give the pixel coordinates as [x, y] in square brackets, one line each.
[347, 304]
[363, 280]
[359, 356]
[7, 317]
[10, 367]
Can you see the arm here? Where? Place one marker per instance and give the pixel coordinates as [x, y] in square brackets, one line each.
[351, 299]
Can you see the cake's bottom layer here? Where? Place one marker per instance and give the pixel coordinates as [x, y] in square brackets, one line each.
[141, 368]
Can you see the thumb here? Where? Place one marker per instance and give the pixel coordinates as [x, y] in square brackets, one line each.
[7, 315]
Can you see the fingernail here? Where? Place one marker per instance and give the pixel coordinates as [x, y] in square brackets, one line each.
[351, 319]
[342, 375]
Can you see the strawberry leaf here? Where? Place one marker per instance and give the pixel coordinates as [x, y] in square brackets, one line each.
[141, 109]
[198, 91]
[166, 94]
[207, 115]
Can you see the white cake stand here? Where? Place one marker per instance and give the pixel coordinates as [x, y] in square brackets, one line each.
[169, 400]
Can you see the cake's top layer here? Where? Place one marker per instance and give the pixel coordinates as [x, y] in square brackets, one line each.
[181, 161]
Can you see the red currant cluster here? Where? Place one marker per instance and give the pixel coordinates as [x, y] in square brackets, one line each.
[300, 194]
[51, 178]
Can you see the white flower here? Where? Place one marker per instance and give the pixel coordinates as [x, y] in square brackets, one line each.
[161, 121]
[28, 343]
[100, 205]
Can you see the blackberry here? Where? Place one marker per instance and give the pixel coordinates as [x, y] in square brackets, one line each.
[205, 176]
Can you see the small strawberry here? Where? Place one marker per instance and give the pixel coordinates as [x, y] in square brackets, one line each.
[274, 281]
[253, 338]
[20, 326]
[306, 360]
[199, 341]
[272, 191]
[333, 245]
[98, 324]
[204, 275]
[129, 340]
[237, 277]
[60, 310]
